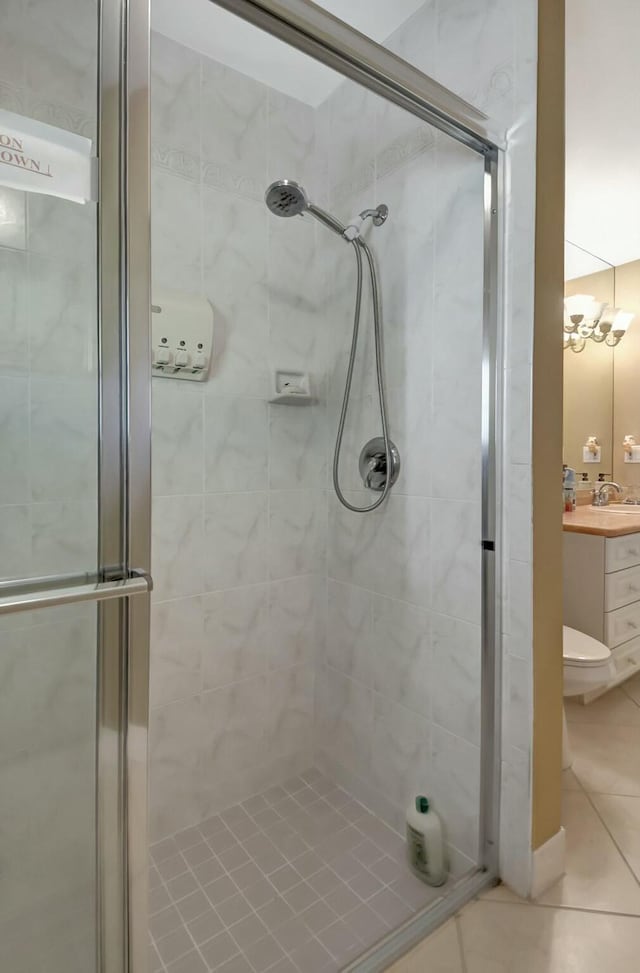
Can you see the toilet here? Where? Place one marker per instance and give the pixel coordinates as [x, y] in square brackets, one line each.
[587, 665]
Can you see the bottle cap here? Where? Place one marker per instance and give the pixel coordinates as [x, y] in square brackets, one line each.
[422, 805]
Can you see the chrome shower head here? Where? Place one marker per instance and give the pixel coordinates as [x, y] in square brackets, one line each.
[286, 198]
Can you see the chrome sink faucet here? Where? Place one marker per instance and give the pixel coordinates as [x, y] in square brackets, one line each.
[601, 495]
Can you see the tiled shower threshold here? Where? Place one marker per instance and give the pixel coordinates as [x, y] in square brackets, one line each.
[299, 879]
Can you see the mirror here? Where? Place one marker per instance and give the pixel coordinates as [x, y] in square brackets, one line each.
[601, 383]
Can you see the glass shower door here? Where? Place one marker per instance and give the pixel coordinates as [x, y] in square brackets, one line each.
[73, 482]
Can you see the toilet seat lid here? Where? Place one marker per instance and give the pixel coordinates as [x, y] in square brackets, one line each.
[582, 649]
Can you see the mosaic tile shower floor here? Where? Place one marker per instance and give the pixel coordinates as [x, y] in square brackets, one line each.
[299, 879]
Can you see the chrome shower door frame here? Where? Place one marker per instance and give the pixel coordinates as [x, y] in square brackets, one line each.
[119, 584]
[312, 30]
[124, 482]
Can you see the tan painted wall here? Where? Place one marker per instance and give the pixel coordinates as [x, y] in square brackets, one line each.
[588, 387]
[547, 427]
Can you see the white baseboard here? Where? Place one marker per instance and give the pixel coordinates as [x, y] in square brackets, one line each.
[548, 864]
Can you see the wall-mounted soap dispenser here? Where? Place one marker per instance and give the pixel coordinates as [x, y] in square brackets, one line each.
[181, 336]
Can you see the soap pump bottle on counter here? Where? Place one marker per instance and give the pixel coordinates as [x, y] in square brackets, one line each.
[569, 489]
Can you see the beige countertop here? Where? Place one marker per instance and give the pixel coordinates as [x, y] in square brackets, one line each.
[600, 520]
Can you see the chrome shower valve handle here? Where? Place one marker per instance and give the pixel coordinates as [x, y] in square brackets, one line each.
[373, 464]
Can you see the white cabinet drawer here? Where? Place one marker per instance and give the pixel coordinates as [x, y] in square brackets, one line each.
[622, 625]
[621, 588]
[627, 659]
[622, 552]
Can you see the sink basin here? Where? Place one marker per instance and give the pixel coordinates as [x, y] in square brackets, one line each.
[621, 508]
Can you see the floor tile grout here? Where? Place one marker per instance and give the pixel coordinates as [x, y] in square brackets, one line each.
[321, 801]
[609, 832]
[463, 957]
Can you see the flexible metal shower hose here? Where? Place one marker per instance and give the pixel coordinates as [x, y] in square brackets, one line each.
[358, 245]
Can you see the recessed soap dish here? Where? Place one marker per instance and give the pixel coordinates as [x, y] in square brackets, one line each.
[290, 388]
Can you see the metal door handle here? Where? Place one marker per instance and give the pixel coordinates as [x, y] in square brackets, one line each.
[21, 600]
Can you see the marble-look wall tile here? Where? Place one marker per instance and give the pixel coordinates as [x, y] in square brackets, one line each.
[234, 726]
[64, 537]
[282, 294]
[62, 307]
[176, 230]
[475, 53]
[344, 719]
[456, 788]
[175, 83]
[177, 430]
[13, 228]
[292, 146]
[14, 314]
[236, 528]
[235, 269]
[517, 622]
[297, 541]
[222, 526]
[519, 509]
[235, 635]
[401, 751]
[456, 682]
[59, 226]
[61, 51]
[175, 735]
[62, 663]
[297, 447]
[236, 444]
[63, 444]
[14, 434]
[291, 701]
[456, 559]
[517, 727]
[371, 551]
[178, 640]
[234, 129]
[402, 656]
[294, 607]
[349, 646]
[518, 414]
[515, 819]
[177, 546]
[352, 141]
[16, 694]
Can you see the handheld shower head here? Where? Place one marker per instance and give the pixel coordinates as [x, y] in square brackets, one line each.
[286, 198]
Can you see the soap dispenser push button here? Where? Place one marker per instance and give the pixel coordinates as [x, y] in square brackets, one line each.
[182, 359]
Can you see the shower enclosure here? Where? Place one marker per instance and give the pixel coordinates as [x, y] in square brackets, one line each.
[313, 667]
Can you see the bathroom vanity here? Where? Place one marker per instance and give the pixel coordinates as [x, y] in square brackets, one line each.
[602, 582]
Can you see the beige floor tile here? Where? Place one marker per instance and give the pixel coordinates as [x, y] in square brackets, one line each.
[501, 938]
[570, 782]
[606, 760]
[621, 815]
[440, 953]
[632, 688]
[614, 707]
[502, 893]
[596, 874]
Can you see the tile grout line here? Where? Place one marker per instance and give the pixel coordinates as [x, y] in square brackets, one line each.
[458, 926]
[607, 829]
[189, 869]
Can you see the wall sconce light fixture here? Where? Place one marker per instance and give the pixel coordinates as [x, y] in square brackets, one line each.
[585, 318]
